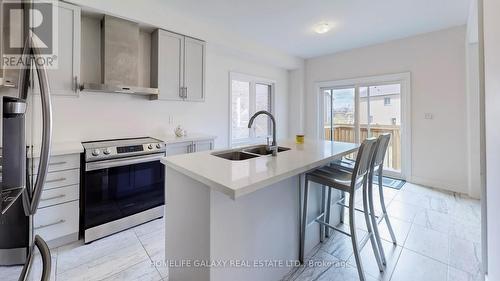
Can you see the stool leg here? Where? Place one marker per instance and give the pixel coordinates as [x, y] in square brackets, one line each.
[366, 211]
[354, 239]
[328, 207]
[374, 220]
[304, 222]
[342, 196]
[322, 228]
[382, 204]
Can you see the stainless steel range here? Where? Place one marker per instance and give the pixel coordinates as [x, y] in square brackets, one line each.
[122, 185]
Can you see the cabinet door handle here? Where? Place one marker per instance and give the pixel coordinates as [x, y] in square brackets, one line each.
[55, 180]
[185, 92]
[53, 197]
[50, 224]
[181, 92]
[77, 87]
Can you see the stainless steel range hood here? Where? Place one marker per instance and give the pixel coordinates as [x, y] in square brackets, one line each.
[119, 59]
[108, 88]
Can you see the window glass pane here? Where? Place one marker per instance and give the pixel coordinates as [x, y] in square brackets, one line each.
[385, 112]
[343, 114]
[385, 101]
[262, 102]
[240, 107]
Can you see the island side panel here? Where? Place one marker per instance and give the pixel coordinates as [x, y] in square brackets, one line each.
[256, 227]
[187, 226]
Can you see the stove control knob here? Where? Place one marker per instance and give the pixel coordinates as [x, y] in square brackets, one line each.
[158, 145]
[96, 152]
[150, 146]
[107, 151]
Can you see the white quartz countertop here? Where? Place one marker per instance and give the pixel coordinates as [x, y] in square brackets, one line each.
[237, 178]
[60, 148]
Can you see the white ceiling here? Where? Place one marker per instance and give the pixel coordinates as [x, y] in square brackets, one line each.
[287, 25]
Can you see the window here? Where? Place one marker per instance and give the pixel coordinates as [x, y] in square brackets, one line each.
[387, 101]
[249, 95]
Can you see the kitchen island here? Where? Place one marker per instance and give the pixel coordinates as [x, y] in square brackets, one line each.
[239, 219]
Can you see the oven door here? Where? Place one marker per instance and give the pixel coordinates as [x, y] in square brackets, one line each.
[114, 189]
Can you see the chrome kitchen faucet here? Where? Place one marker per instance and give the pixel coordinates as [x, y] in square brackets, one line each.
[274, 146]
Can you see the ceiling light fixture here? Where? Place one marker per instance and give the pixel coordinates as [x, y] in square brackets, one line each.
[322, 27]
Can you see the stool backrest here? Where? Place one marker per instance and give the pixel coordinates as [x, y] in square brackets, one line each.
[363, 161]
[382, 144]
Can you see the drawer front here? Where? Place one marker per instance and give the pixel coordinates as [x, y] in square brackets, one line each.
[59, 195]
[59, 163]
[60, 179]
[57, 221]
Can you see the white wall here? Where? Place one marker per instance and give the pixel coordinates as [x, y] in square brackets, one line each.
[492, 117]
[473, 119]
[474, 131]
[437, 65]
[296, 101]
[94, 116]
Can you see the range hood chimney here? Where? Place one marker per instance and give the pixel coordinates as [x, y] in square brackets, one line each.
[119, 59]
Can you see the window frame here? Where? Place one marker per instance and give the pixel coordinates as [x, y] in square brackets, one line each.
[253, 81]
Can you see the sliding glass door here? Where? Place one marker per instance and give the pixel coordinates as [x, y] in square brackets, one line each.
[339, 115]
[354, 113]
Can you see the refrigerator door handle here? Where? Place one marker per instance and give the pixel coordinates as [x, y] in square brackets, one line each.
[30, 49]
[46, 260]
[46, 131]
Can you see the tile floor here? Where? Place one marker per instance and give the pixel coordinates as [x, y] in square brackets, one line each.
[438, 238]
[134, 254]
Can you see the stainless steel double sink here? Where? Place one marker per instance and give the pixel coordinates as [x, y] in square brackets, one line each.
[245, 153]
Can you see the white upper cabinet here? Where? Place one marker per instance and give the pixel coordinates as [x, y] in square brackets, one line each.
[178, 66]
[167, 64]
[194, 69]
[64, 79]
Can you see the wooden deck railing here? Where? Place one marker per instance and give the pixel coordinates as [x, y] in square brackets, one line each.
[346, 133]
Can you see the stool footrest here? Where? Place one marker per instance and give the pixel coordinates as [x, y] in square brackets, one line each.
[379, 218]
[363, 241]
[333, 227]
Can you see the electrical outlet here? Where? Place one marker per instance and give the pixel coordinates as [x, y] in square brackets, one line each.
[429, 116]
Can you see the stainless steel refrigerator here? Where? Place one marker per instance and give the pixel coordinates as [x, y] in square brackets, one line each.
[19, 197]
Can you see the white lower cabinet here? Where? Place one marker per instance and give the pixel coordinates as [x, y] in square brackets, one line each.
[58, 216]
[179, 148]
[57, 221]
[203, 145]
[189, 146]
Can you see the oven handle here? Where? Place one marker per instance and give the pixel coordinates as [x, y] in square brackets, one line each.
[99, 165]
